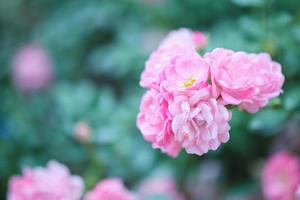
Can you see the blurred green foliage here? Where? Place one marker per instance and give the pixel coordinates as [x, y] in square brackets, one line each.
[98, 50]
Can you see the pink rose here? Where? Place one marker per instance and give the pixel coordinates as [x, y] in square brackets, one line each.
[247, 80]
[52, 183]
[112, 189]
[186, 73]
[157, 62]
[281, 176]
[155, 124]
[32, 68]
[163, 187]
[270, 83]
[200, 122]
[179, 46]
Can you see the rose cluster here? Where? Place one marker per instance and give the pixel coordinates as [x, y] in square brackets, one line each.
[52, 182]
[186, 105]
[55, 182]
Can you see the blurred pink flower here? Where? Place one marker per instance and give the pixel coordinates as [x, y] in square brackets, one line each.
[200, 39]
[51, 183]
[160, 188]
[248, 80]
[110, 189]
[32, 68]
[200, 122]
[281, 176]
[155, 123]
[82, 131]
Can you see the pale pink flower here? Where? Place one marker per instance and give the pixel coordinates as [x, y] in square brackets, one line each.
[82, 131]
[155, 124]
[110, 189]
[233, 75]
[281, 176]
[270, 83]
[51, 183]
[32, 68]
[163, 187]
[248, 80]
[200, 122]
[158, 61]
[185, 38]
[188, 72]
[178, 49]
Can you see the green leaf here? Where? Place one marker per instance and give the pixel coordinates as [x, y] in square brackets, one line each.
[296, 32]
[267, 120]
[291, 99]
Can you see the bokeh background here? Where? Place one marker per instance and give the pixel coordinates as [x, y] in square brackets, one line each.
[96, 51]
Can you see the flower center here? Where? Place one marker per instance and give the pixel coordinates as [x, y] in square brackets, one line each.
[189, 82]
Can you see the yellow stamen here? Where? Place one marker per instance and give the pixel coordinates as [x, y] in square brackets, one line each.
[189, 82]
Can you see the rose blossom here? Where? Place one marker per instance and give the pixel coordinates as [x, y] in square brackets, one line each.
[51, 183]
[247, 80]
[163, 187]
[186, 73]
[281, 176]
[200, 122]
[270, 84]
[32, 68]
[157, 62]
[178, 47]
[82, 131]
[112, 189]
[155, 124]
